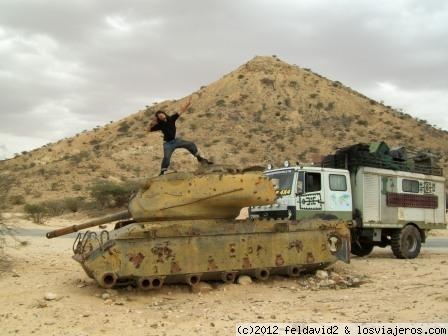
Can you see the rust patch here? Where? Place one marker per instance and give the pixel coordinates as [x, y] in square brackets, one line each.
[136, 259]
[162, 253]
[175, 268]
[279, 261]
[309, 258]
[232, 250]
[246, 263]
[296, 244]
[211, 264]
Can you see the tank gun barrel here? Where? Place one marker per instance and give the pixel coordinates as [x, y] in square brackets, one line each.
[94, 222]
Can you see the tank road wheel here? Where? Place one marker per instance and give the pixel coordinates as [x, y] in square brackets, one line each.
[193, 279]
[157, 283]
[228, 277]
[361, 249]
[107, 280]
[406, 243]
[294, 271]
[144, 283]
[262, 274]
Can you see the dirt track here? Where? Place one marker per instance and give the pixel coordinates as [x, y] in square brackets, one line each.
[396, 291]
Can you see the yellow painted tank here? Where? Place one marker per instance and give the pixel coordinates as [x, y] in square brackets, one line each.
[181, 228]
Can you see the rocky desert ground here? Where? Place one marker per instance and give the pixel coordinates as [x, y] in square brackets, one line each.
[44, 292]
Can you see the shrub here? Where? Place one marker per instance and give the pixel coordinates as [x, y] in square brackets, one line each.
[362, 122]
[53, 208]
[330, 106]
[123, 127]
[73, 204]
[268, 82]
[36, 212]
[77, 158]
[17, 199]
[55, 186]
[77, 187]
[110, 194]
[293, 84]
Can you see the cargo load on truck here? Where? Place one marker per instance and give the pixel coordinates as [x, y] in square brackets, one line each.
[379, 155]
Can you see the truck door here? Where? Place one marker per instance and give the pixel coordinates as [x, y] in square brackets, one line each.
[312, 195]
[338, 195]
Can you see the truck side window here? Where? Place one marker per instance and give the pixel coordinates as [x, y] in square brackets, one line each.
[412, 186]
[338, 182]
[312, 182]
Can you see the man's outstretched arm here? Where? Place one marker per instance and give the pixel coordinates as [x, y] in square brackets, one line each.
[185, 107]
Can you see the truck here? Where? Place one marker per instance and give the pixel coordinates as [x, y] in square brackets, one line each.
[387, 197]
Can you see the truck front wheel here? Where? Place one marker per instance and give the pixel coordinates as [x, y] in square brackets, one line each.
[406, 243]
[361, 249]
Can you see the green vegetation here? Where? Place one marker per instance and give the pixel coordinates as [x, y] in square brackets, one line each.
[268, 82]
[36, 212]
[73, 204]
[123, 127]
[17, 199]
[109, 194]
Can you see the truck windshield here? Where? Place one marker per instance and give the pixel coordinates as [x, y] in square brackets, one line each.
[283, 180]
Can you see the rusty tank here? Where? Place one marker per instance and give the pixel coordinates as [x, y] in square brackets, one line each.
[181, 228]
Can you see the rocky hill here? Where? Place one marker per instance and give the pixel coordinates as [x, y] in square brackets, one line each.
[264, 111]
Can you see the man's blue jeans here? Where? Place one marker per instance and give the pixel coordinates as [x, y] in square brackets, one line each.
[170, 146]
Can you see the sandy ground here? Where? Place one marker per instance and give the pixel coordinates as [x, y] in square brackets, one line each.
[394, 291]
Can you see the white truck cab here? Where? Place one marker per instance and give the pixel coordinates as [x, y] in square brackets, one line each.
[308, 192]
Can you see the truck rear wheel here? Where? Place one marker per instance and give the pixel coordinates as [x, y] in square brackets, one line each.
[361, 249]
[406, 243]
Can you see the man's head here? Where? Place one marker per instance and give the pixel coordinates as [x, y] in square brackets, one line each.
[161, 116]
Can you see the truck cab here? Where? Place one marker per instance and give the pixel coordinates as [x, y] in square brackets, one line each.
[305, 192]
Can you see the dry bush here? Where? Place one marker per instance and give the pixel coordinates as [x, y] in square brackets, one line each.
[36, 212]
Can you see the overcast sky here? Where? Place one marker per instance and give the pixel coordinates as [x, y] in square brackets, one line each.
[66, 66]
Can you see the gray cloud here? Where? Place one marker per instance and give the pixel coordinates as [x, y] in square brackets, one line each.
[67, 66]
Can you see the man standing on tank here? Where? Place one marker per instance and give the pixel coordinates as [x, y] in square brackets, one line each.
[167, 124]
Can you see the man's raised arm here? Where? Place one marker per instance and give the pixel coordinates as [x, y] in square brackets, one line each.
[185, 107]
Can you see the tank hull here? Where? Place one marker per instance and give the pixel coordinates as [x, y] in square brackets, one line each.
[149, 254]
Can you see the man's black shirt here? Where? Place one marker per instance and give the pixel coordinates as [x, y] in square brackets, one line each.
[167, 127]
